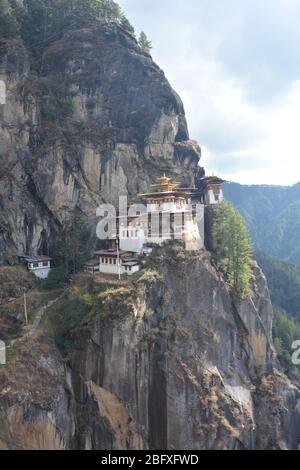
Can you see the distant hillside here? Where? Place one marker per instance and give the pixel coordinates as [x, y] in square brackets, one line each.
[284, 283]
[273, 217]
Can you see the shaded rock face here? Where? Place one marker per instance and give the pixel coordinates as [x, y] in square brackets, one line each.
[193, 368]
[93, 119]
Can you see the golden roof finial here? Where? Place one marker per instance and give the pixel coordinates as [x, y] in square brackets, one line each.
[165, 184]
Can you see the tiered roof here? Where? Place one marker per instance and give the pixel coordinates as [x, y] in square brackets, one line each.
[165, 186]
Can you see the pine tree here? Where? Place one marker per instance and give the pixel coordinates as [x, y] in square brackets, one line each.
[233, 247]
[106, 9]
[70, 245]
[144, 42]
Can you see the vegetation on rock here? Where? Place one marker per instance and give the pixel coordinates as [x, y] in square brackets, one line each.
[41, 21]
[70, 243]
[56, 279]
[144, 42]
[285, 332]
[8, 23]
[82, 303]
[125, 23]
[233, 248]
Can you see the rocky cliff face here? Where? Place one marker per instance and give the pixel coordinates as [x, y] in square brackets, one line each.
[173, 362]
[193, 368]
[92, 119]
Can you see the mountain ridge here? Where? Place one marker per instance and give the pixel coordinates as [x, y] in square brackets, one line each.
[272, 214]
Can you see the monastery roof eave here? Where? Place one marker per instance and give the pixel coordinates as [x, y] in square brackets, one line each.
[178, 193]
[212, 180]
[35, 259]
[92, 262]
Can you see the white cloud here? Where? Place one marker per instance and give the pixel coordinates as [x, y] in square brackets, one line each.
[237, 68]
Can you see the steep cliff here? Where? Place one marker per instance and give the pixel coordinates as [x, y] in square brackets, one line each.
[93, 118]
[172, 361]
[193, 368]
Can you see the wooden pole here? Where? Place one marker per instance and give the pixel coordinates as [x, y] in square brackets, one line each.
[118, 260]
[25, 309]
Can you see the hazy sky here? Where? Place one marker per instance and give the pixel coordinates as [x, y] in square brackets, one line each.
[236, 66]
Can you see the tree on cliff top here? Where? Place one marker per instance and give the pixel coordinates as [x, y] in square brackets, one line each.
[144, 42]
[233, 247]
[43, 21]
[108, 9]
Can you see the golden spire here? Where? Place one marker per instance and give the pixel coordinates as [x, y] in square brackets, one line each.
[164, 184]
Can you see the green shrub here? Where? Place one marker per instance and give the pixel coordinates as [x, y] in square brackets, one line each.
[285, 332]
[55, 280]
[149, 276]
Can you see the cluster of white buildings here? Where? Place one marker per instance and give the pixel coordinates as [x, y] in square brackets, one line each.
[171, 212]
[113, 261]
